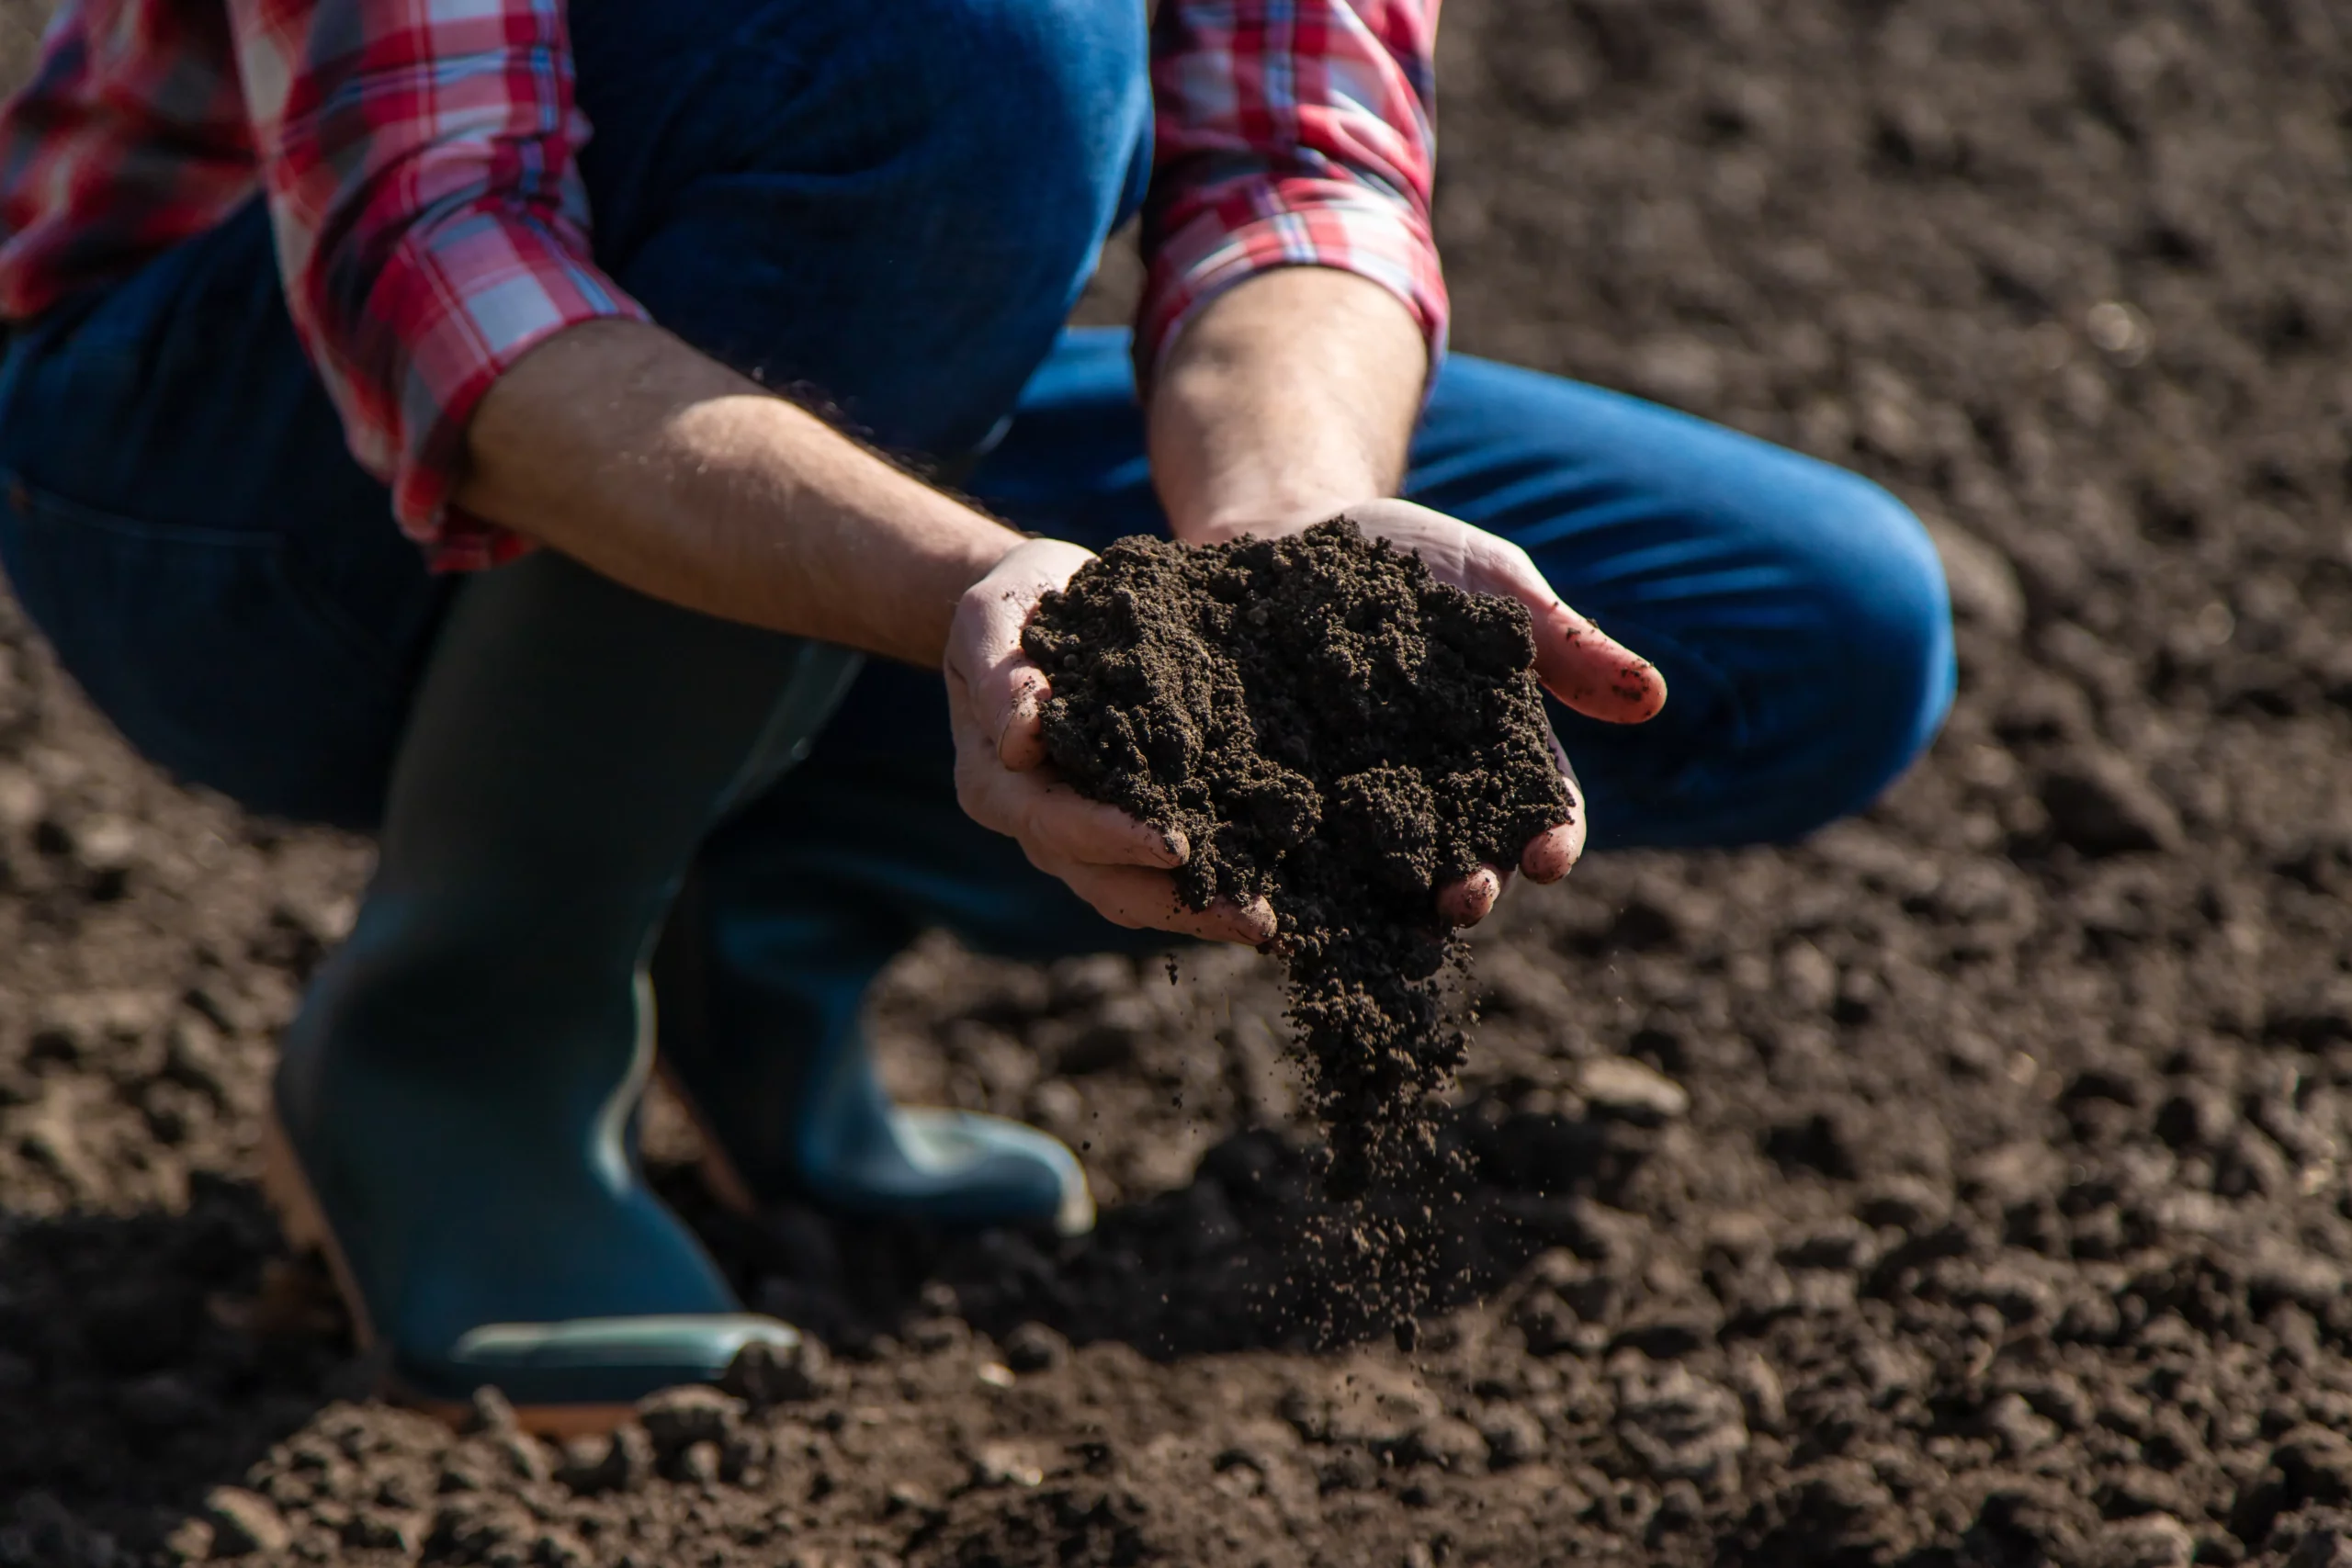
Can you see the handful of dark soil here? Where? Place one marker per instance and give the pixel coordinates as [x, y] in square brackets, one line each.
[1334, 729]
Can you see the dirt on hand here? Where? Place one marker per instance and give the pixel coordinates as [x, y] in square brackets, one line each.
[1331, 728]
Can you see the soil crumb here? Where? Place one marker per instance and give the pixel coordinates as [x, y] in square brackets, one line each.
[1333, 729]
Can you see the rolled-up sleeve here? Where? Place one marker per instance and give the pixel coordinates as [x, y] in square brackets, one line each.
[418, 157]
[1290, 133]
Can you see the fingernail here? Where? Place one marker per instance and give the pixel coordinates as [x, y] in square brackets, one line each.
[1179, 848]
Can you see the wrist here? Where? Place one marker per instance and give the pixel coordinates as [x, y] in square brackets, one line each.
[984, 549]
[1268, 517]
[1289, 398]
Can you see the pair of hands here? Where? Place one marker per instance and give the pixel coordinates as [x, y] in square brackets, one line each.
[997, 695]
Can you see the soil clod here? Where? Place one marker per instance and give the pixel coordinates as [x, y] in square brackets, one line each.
[1329, 727]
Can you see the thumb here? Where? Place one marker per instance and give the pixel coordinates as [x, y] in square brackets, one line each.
[1006, 690]
[1021, 725]
[1592, 672]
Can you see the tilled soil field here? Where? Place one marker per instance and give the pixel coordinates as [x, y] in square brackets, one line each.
[1966, 1185]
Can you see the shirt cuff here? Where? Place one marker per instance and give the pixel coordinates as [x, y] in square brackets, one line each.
[1255, 225]
[454, 308]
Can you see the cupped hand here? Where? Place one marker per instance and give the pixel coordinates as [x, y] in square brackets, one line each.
[1587, 669]
[996, 698]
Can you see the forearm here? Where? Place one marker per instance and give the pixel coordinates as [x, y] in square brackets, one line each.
[621, 446]
[1289, 398]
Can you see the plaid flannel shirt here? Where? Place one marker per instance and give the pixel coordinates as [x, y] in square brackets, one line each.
[418, 162]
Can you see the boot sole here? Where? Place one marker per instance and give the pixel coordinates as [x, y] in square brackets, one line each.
[288, 1190]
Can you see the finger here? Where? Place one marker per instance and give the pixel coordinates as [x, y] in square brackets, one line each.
[1069, 826]
[1568, 769]
[1551, 854]
[1469, 899]
[1051, 819]
[1136, 898]
[1592, 672]
[1021, 744]
[1055, 822]
[1583, 666]
[1254, 921]
[1004, 684]
[1003, 679]
[1586, 669]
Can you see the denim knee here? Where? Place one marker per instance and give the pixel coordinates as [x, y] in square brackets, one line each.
[893, 209]
[1889, 670]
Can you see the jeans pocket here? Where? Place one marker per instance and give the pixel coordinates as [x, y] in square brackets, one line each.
[210, 654]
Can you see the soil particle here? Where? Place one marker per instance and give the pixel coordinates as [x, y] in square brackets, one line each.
[2154, 1541]
[2099, 805]
[1513, 1435]
[2323, 1541]
[1681, 1427]
[1035, 1347]
[1367, 1403]
[1329, 727]
[1621, 1087]
[1082, 1527]
[244, 1521]
[681, 1417]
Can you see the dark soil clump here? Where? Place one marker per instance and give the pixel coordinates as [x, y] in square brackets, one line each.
[1331, 728]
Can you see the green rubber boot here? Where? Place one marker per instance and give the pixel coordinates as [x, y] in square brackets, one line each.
[453, 1100]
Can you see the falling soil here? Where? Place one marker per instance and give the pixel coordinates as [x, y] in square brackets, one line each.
[1965, 1186]
[1331, 728]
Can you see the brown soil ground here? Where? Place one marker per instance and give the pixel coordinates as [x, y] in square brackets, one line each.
[1966, 1185]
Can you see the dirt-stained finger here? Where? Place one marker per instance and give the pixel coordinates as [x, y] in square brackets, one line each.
[1004, 688]
[1254, 921]
[1139, 900]
[1551, 854]
[1021, 744]
[1053, 822]
[1469, 900]
[1592, 672]
[1067, 826]
[1582, 666]
[980, 779]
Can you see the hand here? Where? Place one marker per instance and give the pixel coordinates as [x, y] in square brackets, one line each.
[996, 698]
[1578, 663]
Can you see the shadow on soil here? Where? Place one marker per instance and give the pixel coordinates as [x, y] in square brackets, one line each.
[145, 1358]
[149, 1358]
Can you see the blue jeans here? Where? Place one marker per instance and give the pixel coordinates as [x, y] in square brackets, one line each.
[898, 214]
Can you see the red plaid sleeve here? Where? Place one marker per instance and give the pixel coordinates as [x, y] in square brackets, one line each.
[129, 136]
[432, 227]
[1288, 133]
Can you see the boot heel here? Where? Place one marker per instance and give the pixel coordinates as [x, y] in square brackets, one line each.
[288, 1190]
